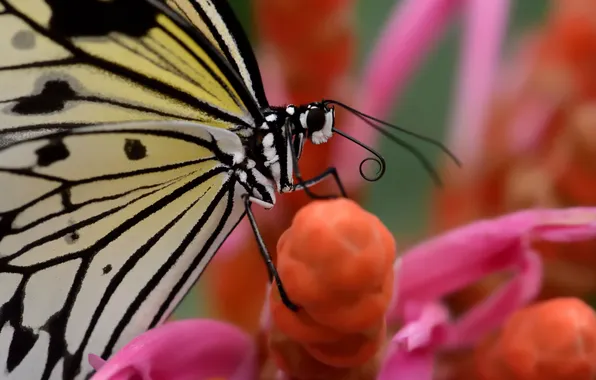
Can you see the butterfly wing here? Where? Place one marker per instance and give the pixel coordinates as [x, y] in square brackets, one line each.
[115, 60]
[217, 22]
[93, 252]
[109, 210]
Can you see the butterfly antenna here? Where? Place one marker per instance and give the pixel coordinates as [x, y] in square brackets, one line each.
[378, 158]
[369, 120]
[419, 156]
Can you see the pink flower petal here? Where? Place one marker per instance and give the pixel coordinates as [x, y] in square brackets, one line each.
[528, 125]
[424, 329]
[467, 254]
[411, 352]
[486, 27]
[470, 252]
[96, 362]
[410, 33]
[416, 365]
[492, 312]
[184, 350]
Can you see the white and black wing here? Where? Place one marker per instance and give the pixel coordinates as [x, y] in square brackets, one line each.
[216, 20]
[109, 210]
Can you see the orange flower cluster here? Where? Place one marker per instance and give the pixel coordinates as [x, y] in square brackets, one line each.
[336, 262]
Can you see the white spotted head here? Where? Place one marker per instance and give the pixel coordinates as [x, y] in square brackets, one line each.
[318, 120]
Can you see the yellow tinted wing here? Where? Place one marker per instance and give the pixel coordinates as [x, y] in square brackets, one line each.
[106, 61]
[102, 231]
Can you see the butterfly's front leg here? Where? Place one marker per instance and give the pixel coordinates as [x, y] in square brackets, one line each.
[305, 184]
[266, 256]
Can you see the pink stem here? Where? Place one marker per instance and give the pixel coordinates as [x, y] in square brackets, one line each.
[486, 27]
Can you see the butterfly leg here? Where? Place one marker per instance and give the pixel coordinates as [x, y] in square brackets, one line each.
[268, 261]
[305, 184]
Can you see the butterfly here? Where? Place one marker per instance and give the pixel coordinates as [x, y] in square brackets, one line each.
[134, 136]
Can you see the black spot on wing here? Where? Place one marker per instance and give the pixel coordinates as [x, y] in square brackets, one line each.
[23, 40]
[134, 149]
[52, 98]
[97, 18]
[107, 269]
[72, 237]
[52, 152]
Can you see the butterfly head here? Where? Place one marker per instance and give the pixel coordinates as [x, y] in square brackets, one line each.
[318, 119]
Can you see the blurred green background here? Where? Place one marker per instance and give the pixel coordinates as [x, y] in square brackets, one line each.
[423, 107]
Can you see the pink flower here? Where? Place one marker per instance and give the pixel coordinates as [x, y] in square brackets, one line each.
[183, 350]
[447, 263]
[203, 349]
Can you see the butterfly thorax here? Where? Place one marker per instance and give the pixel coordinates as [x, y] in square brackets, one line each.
[277, 144]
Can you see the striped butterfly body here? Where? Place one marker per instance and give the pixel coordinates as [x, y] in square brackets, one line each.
[134, 135]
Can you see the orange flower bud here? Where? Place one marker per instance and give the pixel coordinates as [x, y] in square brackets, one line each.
[550, 340]
[336, 263]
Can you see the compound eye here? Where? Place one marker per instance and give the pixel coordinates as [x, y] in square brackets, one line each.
[315, 119]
